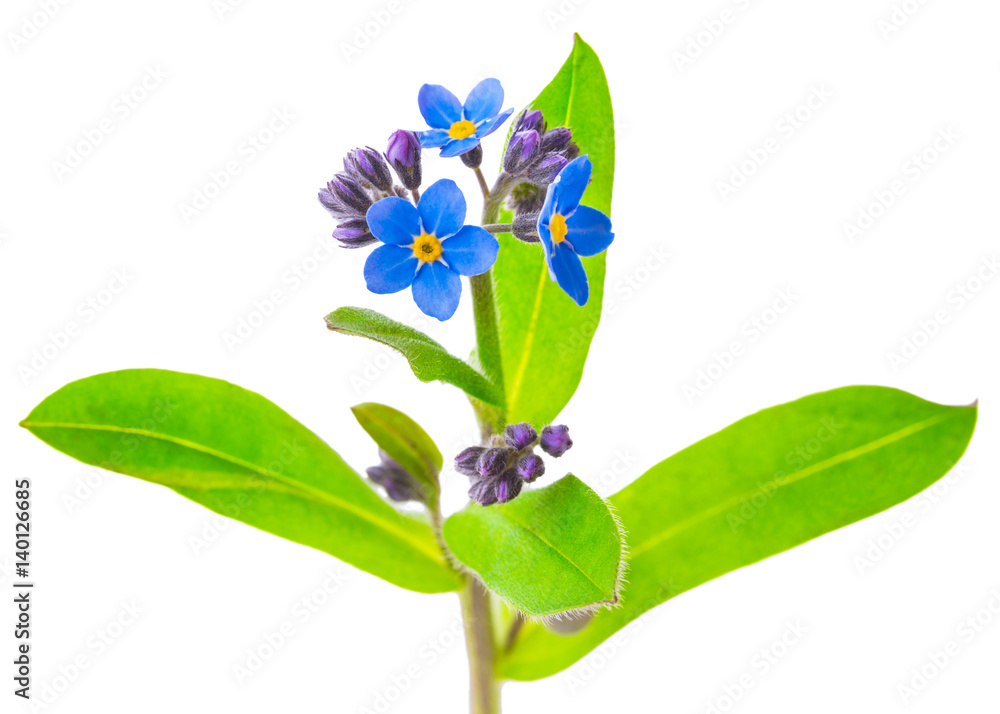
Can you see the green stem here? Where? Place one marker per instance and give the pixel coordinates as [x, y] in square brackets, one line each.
[484, 688]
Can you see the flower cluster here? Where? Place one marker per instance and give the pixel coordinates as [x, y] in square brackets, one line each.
[498, 472]
[425, 244]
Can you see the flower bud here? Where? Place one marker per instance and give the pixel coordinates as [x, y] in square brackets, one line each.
[354, 233]
[521, 151]
[529, 121]
[484, 492]
[397, 482]
[473, 157]
[557, 140]
[493, 461]
[368, 164]
[519, 436]
[508, 486]
[525, 227]
[404, 156]
[530, 467]
[349, 194]
[546, 170]
[465, 462]
[555, 440]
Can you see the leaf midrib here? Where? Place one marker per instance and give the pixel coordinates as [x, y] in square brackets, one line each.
[294, 485]
[856, 452]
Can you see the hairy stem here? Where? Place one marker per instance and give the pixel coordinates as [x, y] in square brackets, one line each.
[484, 688]
[499, 227]
[483, 186]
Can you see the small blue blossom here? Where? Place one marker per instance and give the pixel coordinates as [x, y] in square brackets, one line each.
[459, 128]
[427, 246]
[569, 230]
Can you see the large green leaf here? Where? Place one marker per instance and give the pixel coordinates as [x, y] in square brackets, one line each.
[546, 336]
[428, 359]
[406, 442]
[765, 484]
[548, 551]
[236, 453]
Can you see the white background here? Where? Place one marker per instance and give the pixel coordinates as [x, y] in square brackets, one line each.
[680, 132]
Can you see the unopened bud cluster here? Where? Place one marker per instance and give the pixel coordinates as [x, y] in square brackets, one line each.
[499, 472]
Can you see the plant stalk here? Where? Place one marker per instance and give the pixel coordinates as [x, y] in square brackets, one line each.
[484, 688]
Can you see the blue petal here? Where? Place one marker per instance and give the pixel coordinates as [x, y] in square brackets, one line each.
[545, 215]
[459, 146]
[570, 184]
[484, 100]
[471, 251]
[433, 138]
[442, 209]
[393, 220]
[440, 107]
[390, 268]
[491, 125]
[437, 290]
[589, 231]
[566, 268]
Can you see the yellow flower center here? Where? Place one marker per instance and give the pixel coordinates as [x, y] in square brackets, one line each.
[427, 248]
[462, 129]
[557, 226]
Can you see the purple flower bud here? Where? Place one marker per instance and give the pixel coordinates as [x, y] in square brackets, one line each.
[530, 467]
[555, 440]
[353, 233]
[557, 140]
[546, 170]
[369, 165]
[508, 486]
[484, 491]
[493, 461]
[397, 482]
[349, 194]
[521, 151]
[404, 155]
[465, 462]
[529, 121]
[519, 436]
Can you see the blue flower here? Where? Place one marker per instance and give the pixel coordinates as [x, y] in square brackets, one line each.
[457, 128]
[427, 246]
[569, 230]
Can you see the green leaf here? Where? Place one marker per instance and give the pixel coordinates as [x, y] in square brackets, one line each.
[236, 453]
[548, 551]
[406, 442]
[767, 483]
[428, 359]
[546, 336]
